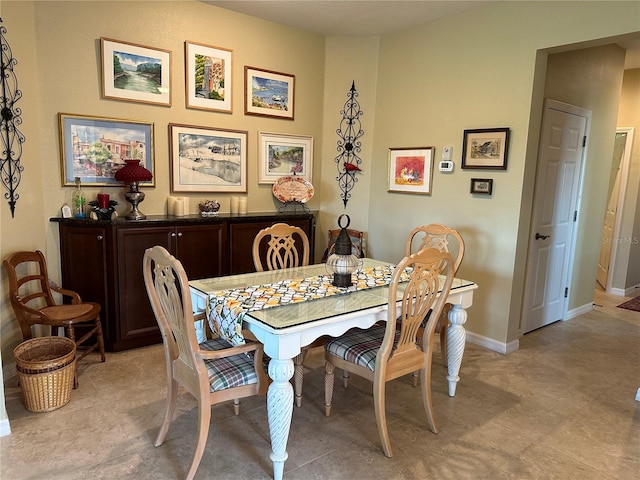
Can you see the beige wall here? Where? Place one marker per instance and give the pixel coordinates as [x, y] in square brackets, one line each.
[627, 266]
[476, 70]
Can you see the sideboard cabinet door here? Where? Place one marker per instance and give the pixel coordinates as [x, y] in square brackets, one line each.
[202, 249]
[137, 325]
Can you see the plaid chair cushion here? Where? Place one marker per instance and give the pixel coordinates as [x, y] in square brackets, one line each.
[358, 346]
[233, 371]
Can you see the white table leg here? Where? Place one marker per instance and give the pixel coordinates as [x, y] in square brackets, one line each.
[279, 412]
[456, 337]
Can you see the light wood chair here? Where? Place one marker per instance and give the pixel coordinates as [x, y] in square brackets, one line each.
[445, 239]
[357, 240]
[281, 252]
[30, 293]
[385, 352]
[213, 371]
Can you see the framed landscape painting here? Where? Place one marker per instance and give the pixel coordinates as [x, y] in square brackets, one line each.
[283, 155]
[135, 73]
[207, 160]
[208, 77]
[485, 148]
[411, 170]
[95, 148]
[268, 93]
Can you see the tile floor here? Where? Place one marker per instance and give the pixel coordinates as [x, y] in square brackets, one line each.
[562, 406]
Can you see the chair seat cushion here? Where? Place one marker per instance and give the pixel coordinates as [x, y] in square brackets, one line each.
[72, 312]
[228, 372]
[358, 346]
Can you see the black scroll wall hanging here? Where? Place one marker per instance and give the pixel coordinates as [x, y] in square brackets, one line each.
[349, 145]
[11, 138]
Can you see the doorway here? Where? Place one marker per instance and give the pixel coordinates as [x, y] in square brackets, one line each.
[615, 204]
[552, 234]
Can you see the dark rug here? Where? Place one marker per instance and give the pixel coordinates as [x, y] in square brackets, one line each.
[633, 304]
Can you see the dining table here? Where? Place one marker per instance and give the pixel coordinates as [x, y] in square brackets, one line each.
[288, 309]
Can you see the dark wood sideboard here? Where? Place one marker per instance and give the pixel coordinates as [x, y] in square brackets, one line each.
[102, 261]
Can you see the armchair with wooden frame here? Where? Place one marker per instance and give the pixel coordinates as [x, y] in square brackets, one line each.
[30, 293]
[214, 371]
[385, 352]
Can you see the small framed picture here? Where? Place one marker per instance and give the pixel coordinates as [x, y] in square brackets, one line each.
[486, 148]
[135, 73]
[208, 77]
[283, 155]
[411, 170]
[95, 148]
[482, 186]
[268, 93]
[205, 159]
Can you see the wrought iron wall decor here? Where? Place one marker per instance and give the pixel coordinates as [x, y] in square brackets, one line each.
[12, 138]
[349, 145]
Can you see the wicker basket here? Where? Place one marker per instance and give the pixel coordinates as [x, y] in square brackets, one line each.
[46, 370]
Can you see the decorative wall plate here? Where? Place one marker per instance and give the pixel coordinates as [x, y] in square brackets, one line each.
[293, 189]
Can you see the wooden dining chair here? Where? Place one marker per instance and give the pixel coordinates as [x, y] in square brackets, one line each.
[444, 239]
[214, 371]
[357, 240]
[281, 249]
[30, 293]
[281, 252]
[385, 352]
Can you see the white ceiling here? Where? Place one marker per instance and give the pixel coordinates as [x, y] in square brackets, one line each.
[368, 17]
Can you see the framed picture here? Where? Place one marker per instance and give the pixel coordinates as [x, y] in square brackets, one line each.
[208, 77]
[135, 73]
[281, 155]
[268, 93]
[485, 149]
[482, 186]
[95, 148]
[207, 159]
[411, 170]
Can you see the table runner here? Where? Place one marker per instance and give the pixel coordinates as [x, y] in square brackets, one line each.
[226, 308]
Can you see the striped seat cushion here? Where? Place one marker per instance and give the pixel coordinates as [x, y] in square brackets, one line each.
[358, 346]
[228, 372]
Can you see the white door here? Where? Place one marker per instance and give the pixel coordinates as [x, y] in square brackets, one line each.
[604, 260]
[554, 212]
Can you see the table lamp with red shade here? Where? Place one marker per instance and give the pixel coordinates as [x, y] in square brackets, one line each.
[132, 174]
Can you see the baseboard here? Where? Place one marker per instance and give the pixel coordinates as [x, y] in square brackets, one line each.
[632, 291]
[5, 428]
[625, 292]
[492, 344]
[578, 311]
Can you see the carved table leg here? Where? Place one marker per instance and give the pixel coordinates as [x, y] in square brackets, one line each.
[456, 337]
[279, 412]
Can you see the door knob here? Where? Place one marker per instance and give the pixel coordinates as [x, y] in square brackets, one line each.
[543, 237]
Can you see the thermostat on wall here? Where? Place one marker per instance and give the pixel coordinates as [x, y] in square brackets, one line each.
[445, 166]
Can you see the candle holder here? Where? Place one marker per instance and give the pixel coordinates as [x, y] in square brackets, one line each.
[103, 213]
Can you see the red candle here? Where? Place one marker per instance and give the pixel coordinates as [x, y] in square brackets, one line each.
[103, 200]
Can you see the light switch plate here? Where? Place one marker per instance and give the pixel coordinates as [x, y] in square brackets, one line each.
[447, 152]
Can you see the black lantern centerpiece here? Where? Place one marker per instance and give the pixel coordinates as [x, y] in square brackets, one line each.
[342, 262]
